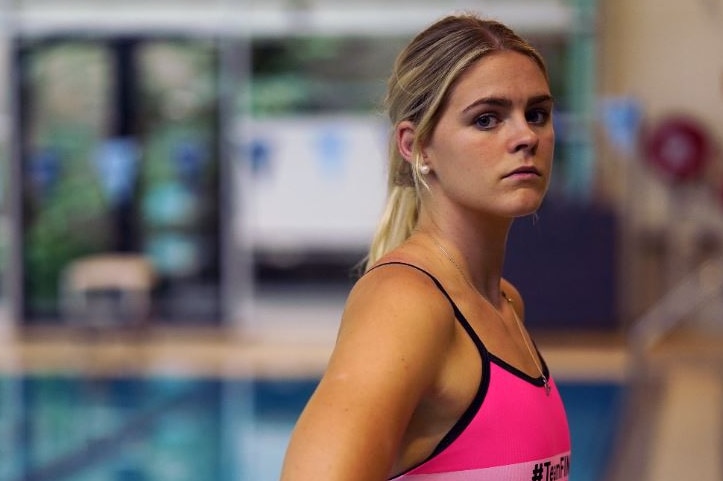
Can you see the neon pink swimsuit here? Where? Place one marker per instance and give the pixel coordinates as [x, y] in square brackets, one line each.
[512, 430]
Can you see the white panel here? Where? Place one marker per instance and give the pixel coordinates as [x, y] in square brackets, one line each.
[316, 182]
[227, 18]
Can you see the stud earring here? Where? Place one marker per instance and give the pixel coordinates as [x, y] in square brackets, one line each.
[424, 169]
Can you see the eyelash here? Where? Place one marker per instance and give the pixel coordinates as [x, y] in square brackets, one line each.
[544, 116]
[543, 113]
[487, 116]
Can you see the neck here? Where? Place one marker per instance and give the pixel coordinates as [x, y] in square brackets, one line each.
[478, 254]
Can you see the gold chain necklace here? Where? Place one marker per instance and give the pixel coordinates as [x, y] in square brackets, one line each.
[534, 357]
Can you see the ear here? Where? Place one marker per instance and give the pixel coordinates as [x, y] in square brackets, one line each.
[405, 134]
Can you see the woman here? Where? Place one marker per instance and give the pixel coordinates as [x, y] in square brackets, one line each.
[433, 376]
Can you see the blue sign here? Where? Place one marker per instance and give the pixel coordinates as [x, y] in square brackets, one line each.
[116, 162]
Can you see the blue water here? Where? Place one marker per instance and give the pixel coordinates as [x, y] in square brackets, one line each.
[183, 429]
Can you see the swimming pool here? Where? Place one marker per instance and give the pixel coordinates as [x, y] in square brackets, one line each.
[55, 428]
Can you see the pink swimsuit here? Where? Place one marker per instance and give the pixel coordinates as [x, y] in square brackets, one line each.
[512, 430]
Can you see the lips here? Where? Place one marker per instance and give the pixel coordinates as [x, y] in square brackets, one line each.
[527, 170]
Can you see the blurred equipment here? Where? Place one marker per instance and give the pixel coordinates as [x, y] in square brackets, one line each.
[105, 290]
[679, 148]
[678, 306]
[676, 388]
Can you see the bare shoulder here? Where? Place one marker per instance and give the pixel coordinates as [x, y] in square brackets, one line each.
[395, 319]
[398, 297]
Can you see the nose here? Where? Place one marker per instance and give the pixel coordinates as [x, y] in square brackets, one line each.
[523, 136]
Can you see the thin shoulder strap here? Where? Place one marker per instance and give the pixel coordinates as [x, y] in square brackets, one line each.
[457, 313]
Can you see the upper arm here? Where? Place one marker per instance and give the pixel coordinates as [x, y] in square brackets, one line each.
[394, 334]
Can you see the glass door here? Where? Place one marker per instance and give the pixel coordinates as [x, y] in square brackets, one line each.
[119, 154]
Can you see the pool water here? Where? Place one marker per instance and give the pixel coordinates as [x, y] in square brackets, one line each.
[184, 429]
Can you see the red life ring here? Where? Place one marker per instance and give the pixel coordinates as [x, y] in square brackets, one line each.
[678, 147]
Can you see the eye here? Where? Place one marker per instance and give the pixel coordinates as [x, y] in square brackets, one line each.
[538, 116]
[486, 121]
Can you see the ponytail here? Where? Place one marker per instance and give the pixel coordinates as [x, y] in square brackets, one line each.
[397, 222]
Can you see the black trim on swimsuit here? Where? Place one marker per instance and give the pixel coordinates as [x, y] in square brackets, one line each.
[536, 381]
[476, 403]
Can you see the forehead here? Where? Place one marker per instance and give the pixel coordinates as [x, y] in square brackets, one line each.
[505, 74]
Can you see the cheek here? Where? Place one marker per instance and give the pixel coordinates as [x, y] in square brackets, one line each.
[453, 153]
[550, 136]
[547, 144]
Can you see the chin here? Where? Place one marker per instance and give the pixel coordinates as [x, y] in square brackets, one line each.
[526, 206]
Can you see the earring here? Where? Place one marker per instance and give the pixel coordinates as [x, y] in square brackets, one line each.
[424, 169]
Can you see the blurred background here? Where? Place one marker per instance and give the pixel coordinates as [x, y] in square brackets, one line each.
[187, 188]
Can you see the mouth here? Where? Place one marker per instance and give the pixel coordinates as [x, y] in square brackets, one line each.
[527, 171]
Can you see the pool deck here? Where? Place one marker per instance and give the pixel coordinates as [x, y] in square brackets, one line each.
[227, 354]
[288, 332]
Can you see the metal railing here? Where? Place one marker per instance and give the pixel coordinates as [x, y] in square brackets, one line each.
[679, 304]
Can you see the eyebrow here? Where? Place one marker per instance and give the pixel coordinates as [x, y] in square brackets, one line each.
[507, 103]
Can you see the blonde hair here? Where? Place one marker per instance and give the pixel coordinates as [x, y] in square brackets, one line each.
[423, 76]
